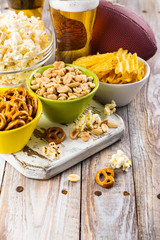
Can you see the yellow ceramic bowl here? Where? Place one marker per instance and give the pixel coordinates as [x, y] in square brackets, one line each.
[12, 141]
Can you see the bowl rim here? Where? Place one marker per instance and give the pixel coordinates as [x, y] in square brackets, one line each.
[134, 83]
[63, 101]
[40, 63]
[37, 116]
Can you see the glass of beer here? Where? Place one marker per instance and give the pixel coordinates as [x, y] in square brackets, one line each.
[29, 7]
[73, 22]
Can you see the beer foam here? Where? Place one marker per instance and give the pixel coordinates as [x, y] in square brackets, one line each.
[74, 5]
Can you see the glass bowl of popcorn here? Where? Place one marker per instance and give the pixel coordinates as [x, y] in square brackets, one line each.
[25, 45]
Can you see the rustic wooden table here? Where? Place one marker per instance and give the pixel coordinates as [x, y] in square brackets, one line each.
[57, 209]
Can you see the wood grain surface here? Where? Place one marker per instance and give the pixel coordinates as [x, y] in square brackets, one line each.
[59, 210]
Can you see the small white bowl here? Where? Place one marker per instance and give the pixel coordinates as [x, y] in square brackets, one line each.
[122, 94]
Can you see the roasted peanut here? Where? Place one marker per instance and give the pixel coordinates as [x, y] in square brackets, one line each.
[97, 131]
[104, 127]
[91, 85]
[34, 82]
[112, 124]
[77, 90]
[61, 98]
[52, 96]
[50, 90]
[37, 75]
[73, 85]
[59, 65]
[85, 136]
[35, 87]
[62, 89]
[73, 178]
[42, 91]
[72, 97]
[67, 78]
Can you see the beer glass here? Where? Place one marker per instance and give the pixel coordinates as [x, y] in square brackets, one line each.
[29, 7]
[73, 22]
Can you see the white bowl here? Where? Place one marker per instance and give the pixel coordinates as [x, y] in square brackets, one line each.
[122, 94]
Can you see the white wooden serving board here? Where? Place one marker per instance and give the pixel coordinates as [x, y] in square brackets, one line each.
[31, 162]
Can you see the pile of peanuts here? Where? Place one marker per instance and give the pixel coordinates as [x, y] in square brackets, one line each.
[62, 83]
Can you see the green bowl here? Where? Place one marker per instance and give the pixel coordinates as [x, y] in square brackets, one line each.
[65, 111]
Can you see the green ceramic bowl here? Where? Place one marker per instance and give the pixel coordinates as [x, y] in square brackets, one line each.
[69, 110]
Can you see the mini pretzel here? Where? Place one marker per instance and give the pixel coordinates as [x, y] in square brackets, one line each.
[22, 91]
[55, 134]
[31, 101]
[28, 119]
[8, 109]
[35, 106]
[30, 110]
[21, 115]
[15, 124]
[2, 99]
[2, 121]
[3, 108]
[21, 104]
[11, 93]
[108, 177]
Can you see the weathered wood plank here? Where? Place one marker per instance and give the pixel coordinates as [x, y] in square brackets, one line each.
[144, 122]
[145, 137]
[40, 211]
[111, 215]
[2, 168]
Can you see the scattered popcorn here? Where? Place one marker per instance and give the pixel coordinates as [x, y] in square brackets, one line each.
[109, 109]
[52, 151]
[120, 160]
[20, 37]
[88, 121]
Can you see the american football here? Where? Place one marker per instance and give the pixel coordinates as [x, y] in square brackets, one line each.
[117, 27]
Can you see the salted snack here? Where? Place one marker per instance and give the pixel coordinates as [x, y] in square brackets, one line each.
[55, 134]
[118, 67]
[119, 160]
[90, 124]
[74, 133]
[112, 124]
[88, 121]
[85, 136]
[62, 83]
[20, 38]
[17, 108]
[110, 108]
[73, 178]
[108, 175]
[52, 150]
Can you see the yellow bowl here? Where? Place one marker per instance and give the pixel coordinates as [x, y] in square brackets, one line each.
[12, 141]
